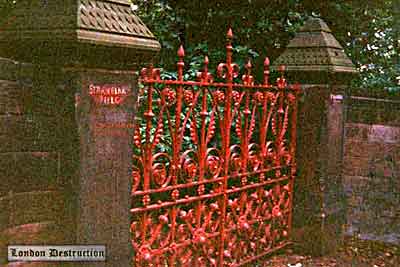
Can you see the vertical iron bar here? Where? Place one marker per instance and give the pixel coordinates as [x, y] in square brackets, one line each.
[246, 112]
[148, 150]
[203, 114]
[149, 116]
[293, 169]
[264, 120]
[226, 141]
[176, 146]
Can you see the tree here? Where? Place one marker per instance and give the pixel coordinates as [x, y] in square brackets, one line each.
[366, 29]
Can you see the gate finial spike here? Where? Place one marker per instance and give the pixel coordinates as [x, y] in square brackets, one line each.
[205, 76]
[247, 78]
[181, 52]
[230, 33]
[266, 62]
[248, 66]
[206, 60]
[229, 48]
[181, 63]
[266, 71]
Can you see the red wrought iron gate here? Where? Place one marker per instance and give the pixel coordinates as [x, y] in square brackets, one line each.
[213, 167]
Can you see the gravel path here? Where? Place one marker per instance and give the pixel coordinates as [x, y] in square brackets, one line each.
[355, 253]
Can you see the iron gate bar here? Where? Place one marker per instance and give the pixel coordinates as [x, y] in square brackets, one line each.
[231, 152]
[234, 85]
[181, 186]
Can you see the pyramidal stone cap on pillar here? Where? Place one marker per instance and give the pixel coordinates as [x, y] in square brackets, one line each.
[70, 29]
[315, 49]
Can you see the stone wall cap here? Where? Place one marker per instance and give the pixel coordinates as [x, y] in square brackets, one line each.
[320, 68]
[314, 48]
[315, 25]
[314, 39]
[100, 22]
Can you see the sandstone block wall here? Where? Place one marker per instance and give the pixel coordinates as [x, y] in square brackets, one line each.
[29, 156]
[36, 162]
[371, 170]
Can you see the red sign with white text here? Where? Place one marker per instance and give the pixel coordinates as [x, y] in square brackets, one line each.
[108, 94]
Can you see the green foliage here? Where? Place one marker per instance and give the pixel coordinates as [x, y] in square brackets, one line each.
[370, 35]
[366, 29]
[373, 49]
[5, 8]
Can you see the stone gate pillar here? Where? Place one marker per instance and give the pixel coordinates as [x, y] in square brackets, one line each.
[315, 59]
[96, 47]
